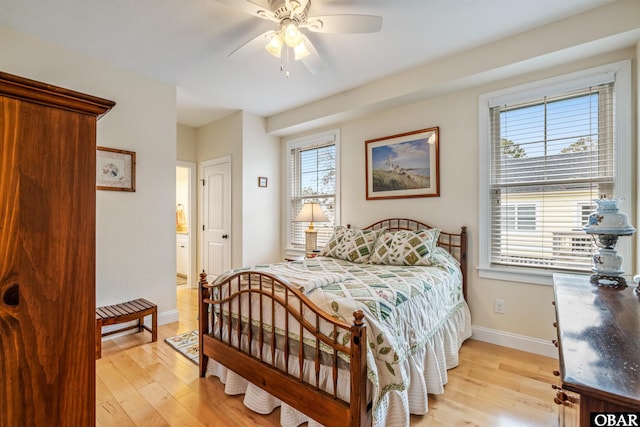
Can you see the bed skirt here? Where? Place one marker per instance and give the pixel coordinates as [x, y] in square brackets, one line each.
[427, 366]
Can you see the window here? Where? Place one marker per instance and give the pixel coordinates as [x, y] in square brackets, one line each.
[584, 210]
[520, 217]
[312, 176]
[549, 150]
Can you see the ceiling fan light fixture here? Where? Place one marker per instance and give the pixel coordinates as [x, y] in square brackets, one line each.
[292, 36]
[293, 18]
[300, 51]
[274, 47]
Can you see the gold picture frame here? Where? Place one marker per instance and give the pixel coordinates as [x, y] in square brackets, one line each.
[403, 165]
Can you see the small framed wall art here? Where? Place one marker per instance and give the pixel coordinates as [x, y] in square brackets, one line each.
[403, 165]
[262, 181]
[115, 169]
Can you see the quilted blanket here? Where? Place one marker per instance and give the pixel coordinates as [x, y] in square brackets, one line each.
[403, 305]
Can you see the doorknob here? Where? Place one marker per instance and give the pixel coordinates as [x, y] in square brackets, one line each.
[225, 236]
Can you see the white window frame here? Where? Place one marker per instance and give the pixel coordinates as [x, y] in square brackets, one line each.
[620, 72]
[309, 141]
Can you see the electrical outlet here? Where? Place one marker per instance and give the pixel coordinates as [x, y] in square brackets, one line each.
[498, 306]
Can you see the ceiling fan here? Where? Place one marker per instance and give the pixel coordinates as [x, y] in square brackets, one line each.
[291, 17]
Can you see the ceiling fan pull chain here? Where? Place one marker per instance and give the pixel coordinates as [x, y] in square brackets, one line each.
[284, 66]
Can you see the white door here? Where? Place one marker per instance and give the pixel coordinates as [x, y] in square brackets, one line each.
[217, 216]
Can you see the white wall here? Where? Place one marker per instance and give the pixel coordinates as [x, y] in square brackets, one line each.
[187, 143]
[261, 206]
[135, 232]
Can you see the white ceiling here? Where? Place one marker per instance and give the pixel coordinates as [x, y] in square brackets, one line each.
[187, 43]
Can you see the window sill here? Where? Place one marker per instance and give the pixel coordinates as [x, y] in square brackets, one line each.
[291, 252]
[522, 275]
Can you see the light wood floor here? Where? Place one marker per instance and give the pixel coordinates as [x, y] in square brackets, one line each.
[149, 384]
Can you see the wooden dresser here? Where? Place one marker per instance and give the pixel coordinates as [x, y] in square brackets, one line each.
[47, 254]
[599, 349]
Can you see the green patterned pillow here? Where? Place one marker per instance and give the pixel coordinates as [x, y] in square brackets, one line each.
[334, 242]
[356, 245]
[405, 247]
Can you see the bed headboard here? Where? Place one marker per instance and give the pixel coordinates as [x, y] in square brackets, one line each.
[454, 243]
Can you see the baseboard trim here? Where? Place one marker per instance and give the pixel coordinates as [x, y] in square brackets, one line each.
[518, 342]
[165, 317]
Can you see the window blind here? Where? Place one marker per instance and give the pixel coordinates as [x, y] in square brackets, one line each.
[550, 157]
[313, 179]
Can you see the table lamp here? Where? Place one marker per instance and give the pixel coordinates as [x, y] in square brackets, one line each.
[605, 225]
[311, 212]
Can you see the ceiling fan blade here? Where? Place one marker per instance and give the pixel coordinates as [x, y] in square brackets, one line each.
[252, 46]
[344, 24]
[313, 62]
[250, 7]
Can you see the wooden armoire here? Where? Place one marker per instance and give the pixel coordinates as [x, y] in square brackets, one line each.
[47, 253]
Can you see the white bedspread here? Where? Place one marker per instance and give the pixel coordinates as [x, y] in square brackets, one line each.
[416, 321]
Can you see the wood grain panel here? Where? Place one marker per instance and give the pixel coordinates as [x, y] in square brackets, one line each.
[10, 342]
[57, 216]
[47, 253]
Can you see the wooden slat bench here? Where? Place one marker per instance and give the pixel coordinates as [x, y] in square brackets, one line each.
[126, 312]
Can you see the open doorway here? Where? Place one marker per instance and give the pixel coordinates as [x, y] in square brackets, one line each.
[185, 224]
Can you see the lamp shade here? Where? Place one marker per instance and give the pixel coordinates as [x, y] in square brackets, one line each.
[311, 212]
[608, 219]
[291, 35]
[274, 47]
[301, 51]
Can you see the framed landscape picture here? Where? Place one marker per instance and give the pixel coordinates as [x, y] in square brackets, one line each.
[403, 165]
[115, 169]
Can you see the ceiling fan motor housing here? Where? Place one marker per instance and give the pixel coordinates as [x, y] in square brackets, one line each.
[290, 9]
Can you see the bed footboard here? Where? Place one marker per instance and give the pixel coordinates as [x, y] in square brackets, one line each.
[267, 331]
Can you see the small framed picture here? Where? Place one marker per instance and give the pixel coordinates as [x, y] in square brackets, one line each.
[262, 181]
[115, 169]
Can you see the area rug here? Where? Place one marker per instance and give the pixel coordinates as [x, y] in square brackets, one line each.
[186, 344]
